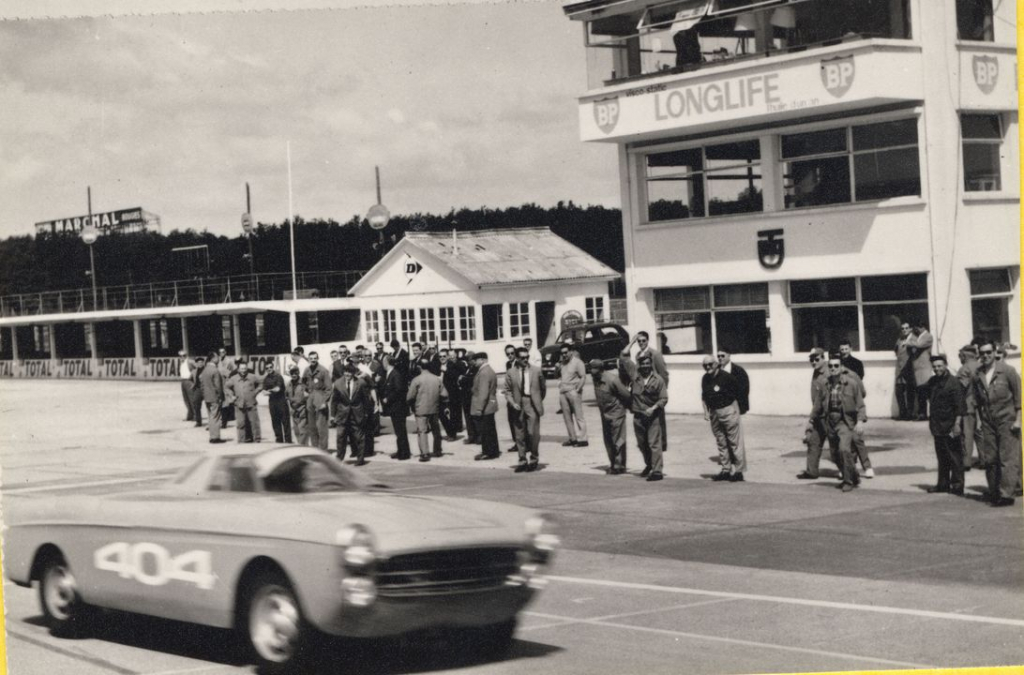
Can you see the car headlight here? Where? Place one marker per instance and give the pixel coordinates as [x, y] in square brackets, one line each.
[542, 539]
[358, 549]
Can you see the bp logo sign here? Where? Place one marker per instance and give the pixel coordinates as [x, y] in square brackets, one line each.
[837, 75]
[986, 73]
[606, 114]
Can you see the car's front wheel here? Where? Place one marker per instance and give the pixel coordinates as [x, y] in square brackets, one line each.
[277, 632]
[495, 641]
[62, 606]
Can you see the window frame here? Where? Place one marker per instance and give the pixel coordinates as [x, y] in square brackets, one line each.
[594, 309]
[712, 310]
[518, 319]
[371, 325]
[389, 324]
[428, 324]
[446, 324]
[998, 142]
[467, 323]
[407, 325]
[260, 328]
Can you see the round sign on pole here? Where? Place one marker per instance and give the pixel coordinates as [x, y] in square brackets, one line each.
[378, 215]
[90, 234]
[247, 223]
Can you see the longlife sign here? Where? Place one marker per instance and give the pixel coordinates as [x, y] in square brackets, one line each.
[104, 222]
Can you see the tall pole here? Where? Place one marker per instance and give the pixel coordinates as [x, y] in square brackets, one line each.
[92, 256]
[293, 319]
[254, 283]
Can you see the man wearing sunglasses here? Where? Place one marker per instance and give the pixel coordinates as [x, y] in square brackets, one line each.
[814, 433]
[841, 406]
[995, 389]
[726, 364]
[720, 395]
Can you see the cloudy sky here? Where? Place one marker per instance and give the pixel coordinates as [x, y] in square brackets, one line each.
[460, 105]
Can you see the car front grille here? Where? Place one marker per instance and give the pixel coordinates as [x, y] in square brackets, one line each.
[446, 572]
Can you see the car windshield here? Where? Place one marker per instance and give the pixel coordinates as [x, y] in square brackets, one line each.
[573, 334]
[310, 474]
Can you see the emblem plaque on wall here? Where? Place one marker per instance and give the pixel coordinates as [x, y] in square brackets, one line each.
[771, 249]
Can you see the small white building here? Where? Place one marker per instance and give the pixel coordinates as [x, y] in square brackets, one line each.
[481, 290]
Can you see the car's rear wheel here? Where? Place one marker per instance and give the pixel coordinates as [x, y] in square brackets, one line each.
[276, 630]
[62, 605]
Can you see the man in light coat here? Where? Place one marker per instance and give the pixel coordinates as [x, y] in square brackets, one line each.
[995, 389]
[425, 397]
[240, 392]
[317, 382]
[921, 355]
[484, 404]
[525, 389]
[572, 377]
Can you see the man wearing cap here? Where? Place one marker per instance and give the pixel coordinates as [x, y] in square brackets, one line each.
[425, 397]
[524, 391]
[814, 432]
[185, 368]
[996, 391]
[295, 392]
[484, 404]
[318, 389]
[648, 397]
[572, 377]
[394, 405]
[720, 396]
[213, 395]
[277, 402]
[613, 399]
[240, 392]
[946, 402]
[968, 366]
[350, 404]
[841, 406]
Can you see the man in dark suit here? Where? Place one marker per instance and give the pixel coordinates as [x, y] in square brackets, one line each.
[394, 405]
[466, 390]
[946, 401]
[350, 405]
[510, 412]
[725, 363]
[524, 390]
[850, 362]
[317, 382]
[484, 404]
[212, 385]
[401, 357]
[451, 372]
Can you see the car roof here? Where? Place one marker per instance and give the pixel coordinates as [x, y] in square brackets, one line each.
[264, 457]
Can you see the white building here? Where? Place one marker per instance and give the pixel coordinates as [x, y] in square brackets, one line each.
[797, 172]
[481, 290]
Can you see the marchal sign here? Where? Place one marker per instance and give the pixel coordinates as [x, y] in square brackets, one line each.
[111, 221]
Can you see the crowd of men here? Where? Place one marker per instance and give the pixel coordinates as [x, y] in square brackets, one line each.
[456, 391]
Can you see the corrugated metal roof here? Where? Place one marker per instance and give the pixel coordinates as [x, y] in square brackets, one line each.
[516, 256]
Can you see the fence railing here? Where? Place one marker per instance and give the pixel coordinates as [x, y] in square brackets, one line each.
[268, 286]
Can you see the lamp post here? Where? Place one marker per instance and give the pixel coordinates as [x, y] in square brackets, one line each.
[89, 235]
[378, 215]
[247, 229]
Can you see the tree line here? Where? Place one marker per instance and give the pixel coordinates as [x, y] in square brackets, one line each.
[47, 261]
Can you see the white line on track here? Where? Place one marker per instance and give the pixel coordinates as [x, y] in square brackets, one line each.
[72, 486]
[734, 641]
[417, 487]
[608, 617]
[879, 609]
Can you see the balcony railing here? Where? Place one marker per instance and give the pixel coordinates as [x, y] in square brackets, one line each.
[213, 290]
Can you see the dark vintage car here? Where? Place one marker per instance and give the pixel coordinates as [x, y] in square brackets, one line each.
[595, 340]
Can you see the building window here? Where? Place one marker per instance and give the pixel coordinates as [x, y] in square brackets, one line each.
[851, 164]
[715, 180]
[390, 325]
[41, 339]
[153, 333]
[428, 329]
[701, 319]
[974, 20]
[991, 295]
[227, 335]
[165, 338]
[595, 309]
[518, 319]
[371, 323]
[982, 142]
[88, 338]
[446, 316]
[467, 323]
[408, 325]
[260, 330]
[494, 328]
[313, 326]
[829, 311]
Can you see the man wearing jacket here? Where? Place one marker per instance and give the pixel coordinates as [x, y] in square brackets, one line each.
[841, 406]
[726, 365]
[524, 390]
[484, 404]
[968, 366]
[295, 392]
[350, 406]
[648, 397]
[720, 394]
[317, 382]
[240, 392]
[572, 377]
[394, 405]
[213, 395]
[995, 389]
[946, 401]
[425, 397]
[277, 402]
[451, 373]
[814, 433]
[613, 399]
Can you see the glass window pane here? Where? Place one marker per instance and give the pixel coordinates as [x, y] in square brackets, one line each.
[825, 327]
[814, 143]
[894, 287]
[675, 198]
[990, 281]
[681, 299]
[743, 332]
[822, 290]
[887, 174]
[676, 163]
[982, 167]
[990, 318]
[732, 154]
[974, 20]
[885, 135]
[741, 295]
[734, 191]
[882, 323]
[815, 182]
[684, 333]
[980, 127]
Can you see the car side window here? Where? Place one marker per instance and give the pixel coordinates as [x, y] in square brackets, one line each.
[232, 474]
[592, 334]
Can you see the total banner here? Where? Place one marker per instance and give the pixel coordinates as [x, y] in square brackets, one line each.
[164, 368]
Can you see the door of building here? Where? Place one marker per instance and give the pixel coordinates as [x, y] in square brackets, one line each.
[545, 322]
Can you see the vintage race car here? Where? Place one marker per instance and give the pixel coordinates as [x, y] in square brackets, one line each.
[281, 543]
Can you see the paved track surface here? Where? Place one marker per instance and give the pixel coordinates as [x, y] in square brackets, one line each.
[681, 576]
